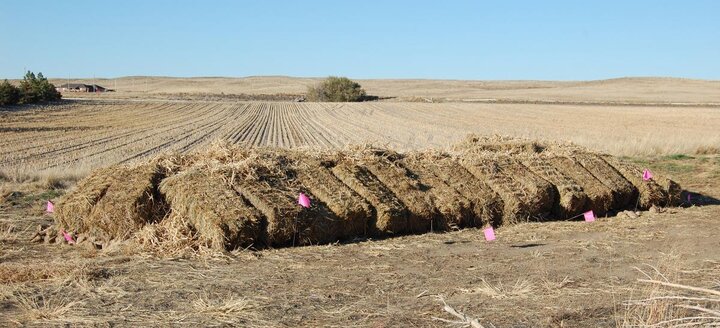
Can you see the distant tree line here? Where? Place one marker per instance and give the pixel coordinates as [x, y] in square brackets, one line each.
[33, 89]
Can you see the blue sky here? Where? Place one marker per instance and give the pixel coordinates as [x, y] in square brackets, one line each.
[493, 40]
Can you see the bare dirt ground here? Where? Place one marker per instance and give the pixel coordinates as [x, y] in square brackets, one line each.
[557, 274]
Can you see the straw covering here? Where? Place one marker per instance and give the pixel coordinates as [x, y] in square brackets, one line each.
[230, 197]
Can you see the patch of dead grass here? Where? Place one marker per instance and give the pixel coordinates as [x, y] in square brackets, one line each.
[48, 307]
[229, 310]
[659, 301]
[8, 233]
[707, 150]
[520, 288]
[11, 273]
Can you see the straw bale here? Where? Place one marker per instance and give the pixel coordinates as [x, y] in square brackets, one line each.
[391, 215]
[525, 195]
[222, 219]
[121, 203]
[474, 144]
[232, 196]
[455, 208]
[73, 208]
[541, 196]
[572, 197]
[624, 193]
[422, 212]
[650, 193]
[354, 212]
[487, 205]
[273, 190]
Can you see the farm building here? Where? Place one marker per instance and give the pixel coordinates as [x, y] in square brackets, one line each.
[80, 87]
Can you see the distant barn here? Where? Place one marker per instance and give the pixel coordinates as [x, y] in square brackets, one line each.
[80, 87]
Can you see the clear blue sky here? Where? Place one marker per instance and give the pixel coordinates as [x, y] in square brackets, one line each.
[550, 40]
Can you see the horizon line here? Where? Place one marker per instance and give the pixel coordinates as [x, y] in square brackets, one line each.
[371, 79]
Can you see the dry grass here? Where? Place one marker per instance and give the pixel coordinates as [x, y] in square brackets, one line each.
[520, 288]
[461, 319]
[12, 273]
[59, 291]
[707, 150]
[47, 308]
[664, 303]
[49, 179]
[229, 310]
[8, 233]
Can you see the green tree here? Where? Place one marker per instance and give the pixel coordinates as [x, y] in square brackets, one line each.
[35, 89]
[9, 94]
[46, 89]
[337, 89]
[28, 92]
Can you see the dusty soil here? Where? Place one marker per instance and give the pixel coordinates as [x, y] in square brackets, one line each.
[564, 274]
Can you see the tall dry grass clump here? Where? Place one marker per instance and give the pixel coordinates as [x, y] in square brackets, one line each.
[663, 303]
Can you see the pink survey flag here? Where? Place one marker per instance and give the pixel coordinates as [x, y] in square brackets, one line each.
[647, 175]
[589, 216]
[304, 200]
[50, 207]
[489, 233]
[67, 236]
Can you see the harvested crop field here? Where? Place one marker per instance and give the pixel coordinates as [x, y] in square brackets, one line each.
[232, 197]
[84, 135]
[166, 237]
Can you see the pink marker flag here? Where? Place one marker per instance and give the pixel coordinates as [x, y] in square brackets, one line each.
[647, 175]
[304, 200]
[489, 234]
[50, 207]
[67, 236]
[589, 216]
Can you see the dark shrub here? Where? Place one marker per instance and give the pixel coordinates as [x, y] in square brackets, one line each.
[9, 94]
[35, 89]
[336, 89]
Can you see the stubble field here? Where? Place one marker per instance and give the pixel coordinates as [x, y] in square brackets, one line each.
[83, 135]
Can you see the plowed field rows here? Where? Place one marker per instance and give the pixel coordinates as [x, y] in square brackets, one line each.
[92, 134]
